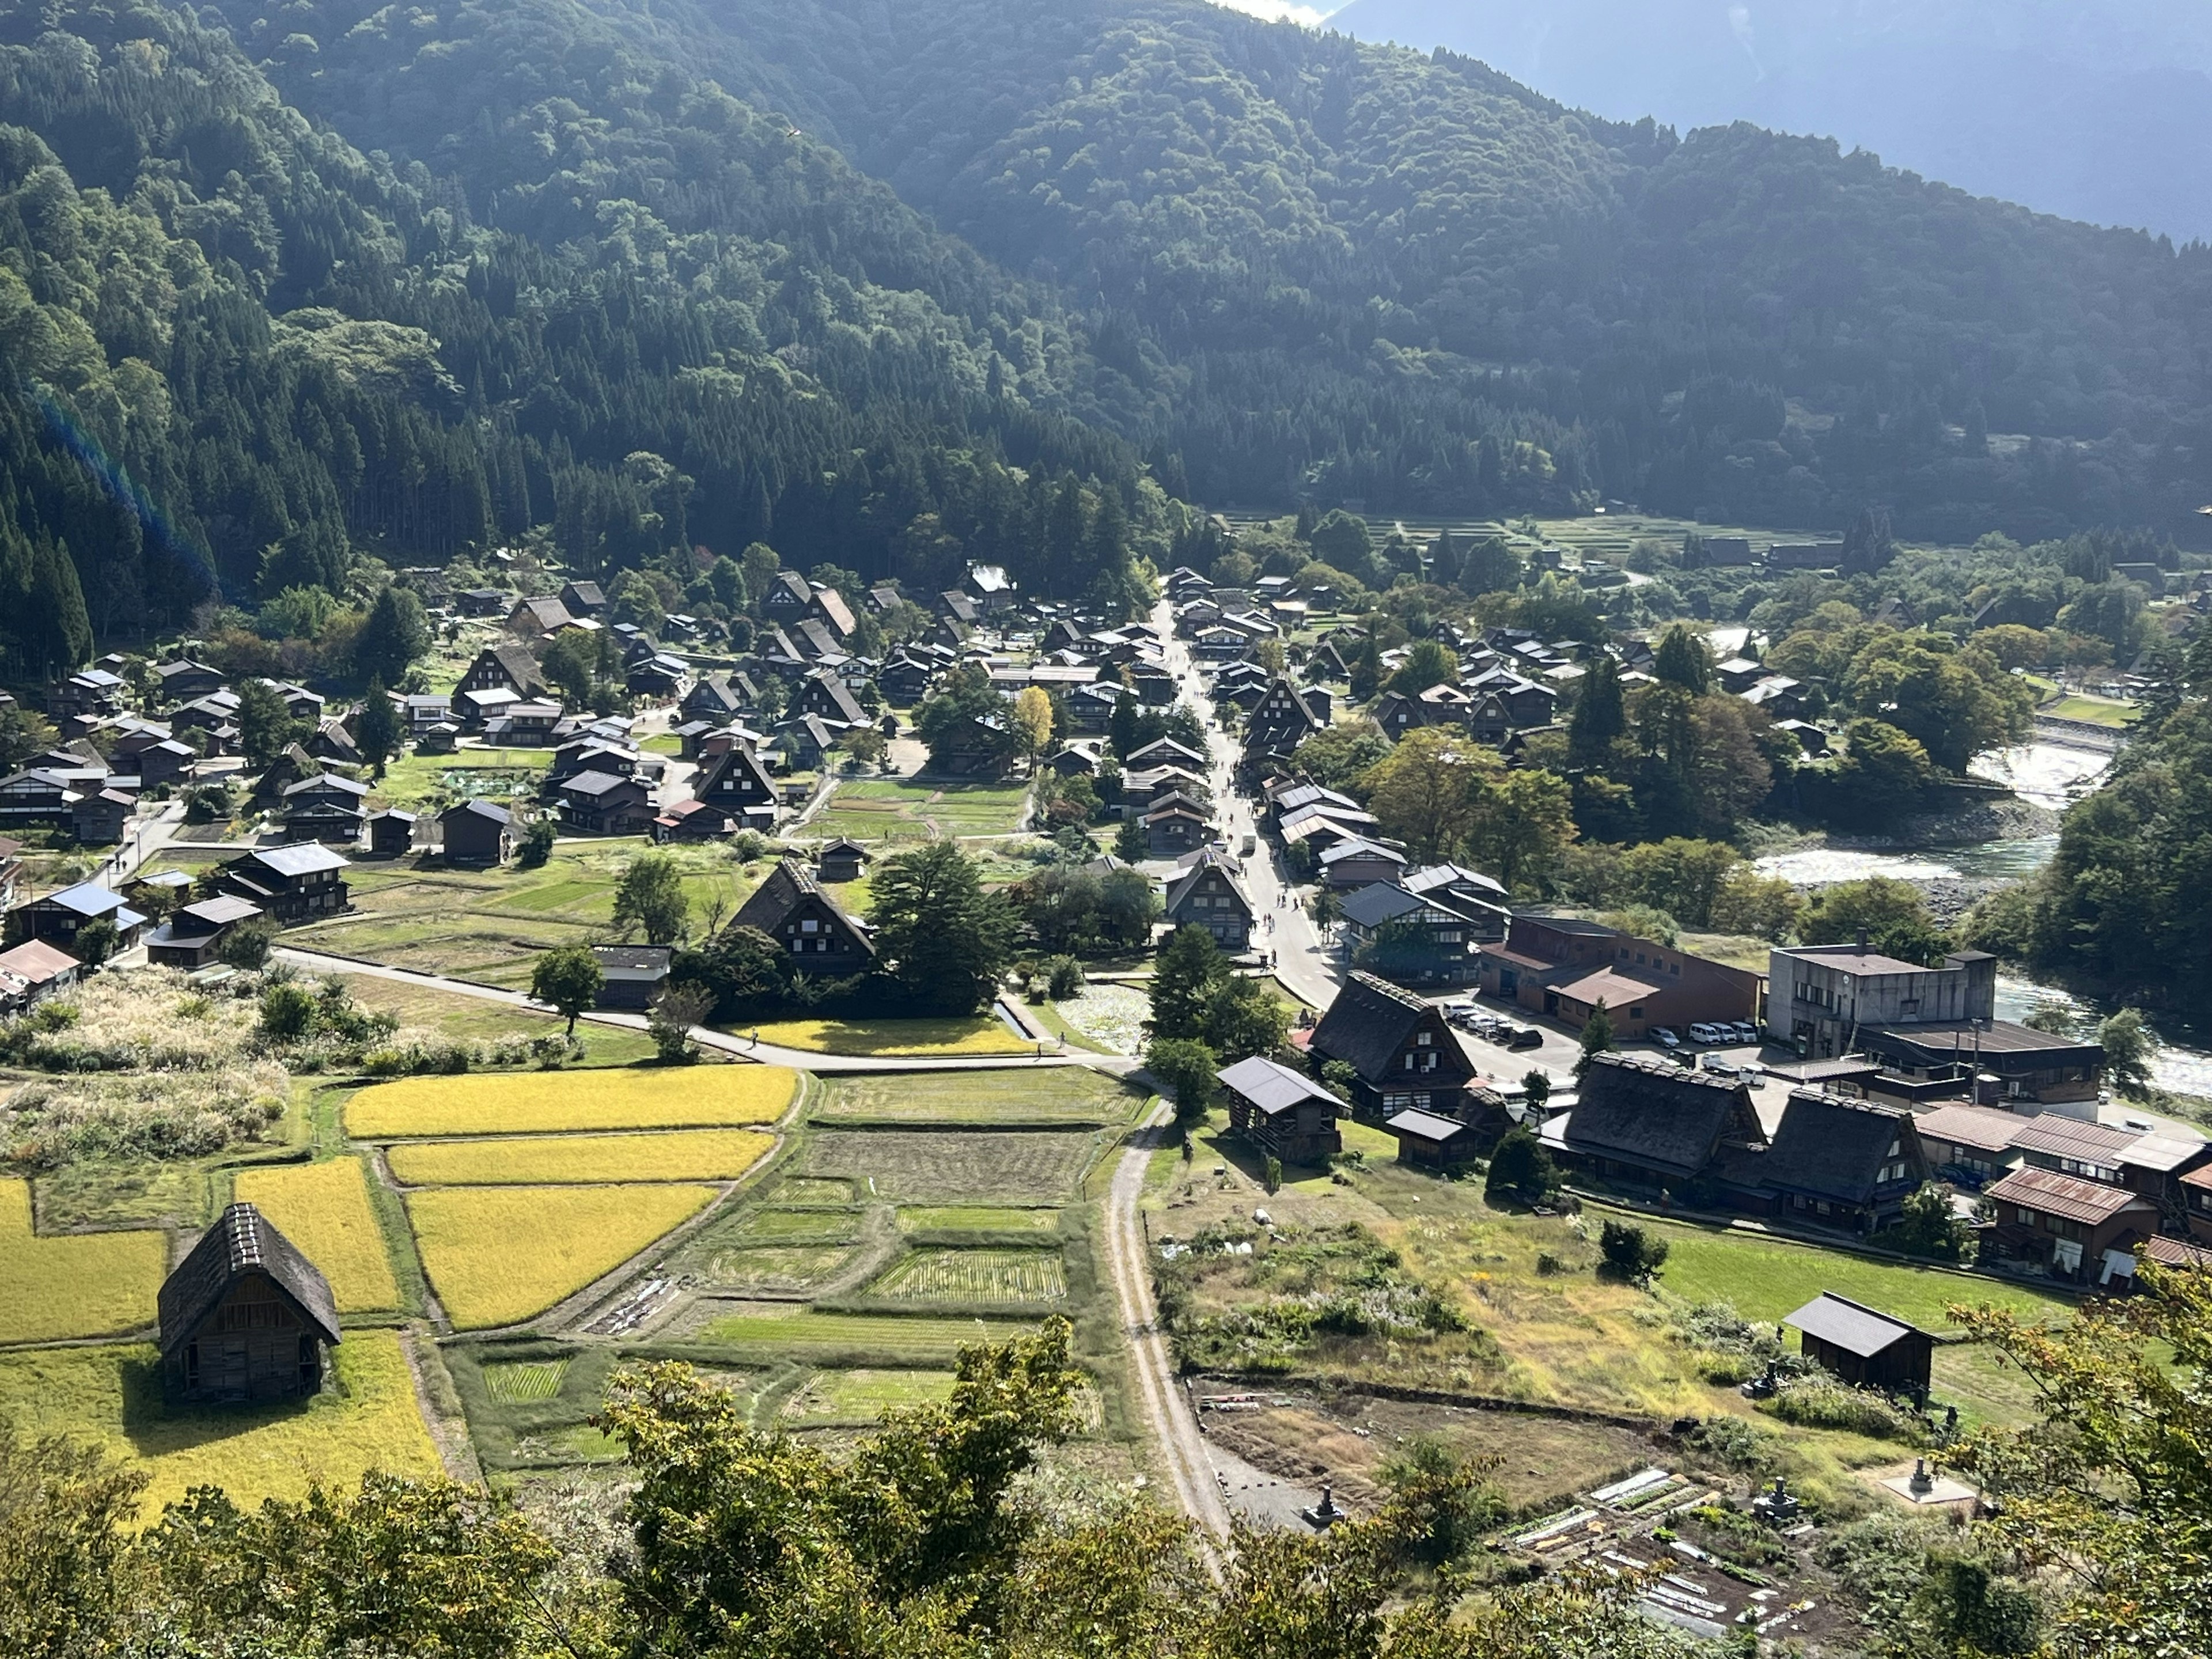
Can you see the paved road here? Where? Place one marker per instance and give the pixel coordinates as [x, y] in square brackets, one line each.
[738, 1047]
[1166, 1407]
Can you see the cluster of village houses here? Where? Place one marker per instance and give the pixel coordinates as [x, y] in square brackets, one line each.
[1895, 1073]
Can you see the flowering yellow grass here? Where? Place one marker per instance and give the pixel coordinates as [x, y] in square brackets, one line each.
[980, 1034]
[511, 1160]
[536, 1103]
[81, 1285]
[497, 1256]
[112, 1396]
[324, 1209]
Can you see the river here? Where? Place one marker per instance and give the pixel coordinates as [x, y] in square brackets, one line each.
[2049, 774]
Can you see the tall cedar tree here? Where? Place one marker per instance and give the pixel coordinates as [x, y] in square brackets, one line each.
[376, 728]
[943, 939]
[1599, 716]
[1682, 659]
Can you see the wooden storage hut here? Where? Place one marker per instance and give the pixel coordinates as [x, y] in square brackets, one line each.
[245, 1317]
[1866, 1348]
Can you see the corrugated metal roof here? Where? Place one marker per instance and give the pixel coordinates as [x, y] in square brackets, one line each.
[2071, 1200]
[1852, 1325]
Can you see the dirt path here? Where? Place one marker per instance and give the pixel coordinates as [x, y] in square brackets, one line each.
[1159, 1397]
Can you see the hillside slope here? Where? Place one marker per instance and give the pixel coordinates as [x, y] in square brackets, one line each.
[2100, 109]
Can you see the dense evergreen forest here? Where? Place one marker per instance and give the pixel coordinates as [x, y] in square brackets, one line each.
[901, 287]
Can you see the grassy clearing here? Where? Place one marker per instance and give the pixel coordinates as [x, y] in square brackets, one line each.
[90, 1285]
[492, 773]
[855, 1399]
[1766, 1279]
[771, 1328]
[471, 1019]
[981, 1033]
[910, 810]
[975, 1219]
[112, 1396]
[2096, 711]
[132, 1193]
[953, 1166]
[993, 1278]
[681, 1154]
[324, 1209]
[497, 1256]
[799, 1268]
[638, 1098]
[1072, 1094]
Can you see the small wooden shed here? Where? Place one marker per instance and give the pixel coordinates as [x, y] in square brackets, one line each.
[245, 1317]
[842, 861]
[1865, 1348]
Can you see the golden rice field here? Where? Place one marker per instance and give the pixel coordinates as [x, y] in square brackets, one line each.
[112, 1396]
[324, 1209]
[497, 1256]
[540, 1103]
[1005, 1277]
[82, 1285]
[518, 1160]
[980, 1034]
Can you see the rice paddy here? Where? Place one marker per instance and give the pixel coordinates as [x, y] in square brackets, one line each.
[902, 1166]
[640, 1098]
[1058, 1094]
[762, 1267]
[525, 1382]
[112, 1397]
[775, 1329]
[981, 1034]
[84, 1285]
[497, 1256]
[986, 1278]
[974, 1218]
[324, 1209]
[520, 1160]
[856, 1398]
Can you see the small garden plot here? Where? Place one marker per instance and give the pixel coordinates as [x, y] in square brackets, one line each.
[855, 1399]
[975, 1219]
[772, 1328]
[544, 1160]
[1071, 1094]
[497, 1256]
[987, 1277]
[86, 1284]
[951, 1166]
[763, 1267]
[525, 1382]
[112, 1397]
[981, 1033]
[644, 1097]
[324, 1209]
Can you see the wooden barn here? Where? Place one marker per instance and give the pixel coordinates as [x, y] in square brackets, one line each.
[245, 1317]
[1865, 1348]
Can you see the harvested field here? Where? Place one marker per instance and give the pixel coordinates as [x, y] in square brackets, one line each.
[528, 1160]
[775, 1329]
[1071, 1094]
[974, 1218]
[112, 1397]
[635, 1097]
[979, 1034]
[996, 1277]
[85, 1284]
[855, 1399]
[794, 1268]
[525, 1382]
[497, 1256]
[777, 1226]
[324, 1209]
[953, 1166]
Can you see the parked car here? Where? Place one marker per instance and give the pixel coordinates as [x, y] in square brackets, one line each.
[1745, 1031]
[1665, 1037]
[1716, 1066]
[1523, 1037]
[1702, 1032]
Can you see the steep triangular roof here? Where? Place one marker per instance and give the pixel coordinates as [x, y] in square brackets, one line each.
[1664, 1117]
[240, 1245]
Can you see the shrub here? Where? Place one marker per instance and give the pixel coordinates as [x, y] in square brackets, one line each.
[1821, 1402]
[245, 944]
[537, 844]
[680, 1006]
[1522, 1167]
[288, 1013]
[1629, 1252]
[1184, 1067]
[1063, 977]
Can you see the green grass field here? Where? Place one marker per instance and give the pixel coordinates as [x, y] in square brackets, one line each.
[975, 1219]
[2096, 711]
[86, 1285]
[472, 1019]
[493, 774]
[112, 1397]
[991, 1277]
[1071, 1094]
[732, 1267]
[856, 1398]
[901, 1166]
[779, 1226]
[525, 1382]
[906, 810]
[775, 1330]
[1766, 1278]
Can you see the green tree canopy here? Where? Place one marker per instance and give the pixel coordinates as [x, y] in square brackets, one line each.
[945, 940]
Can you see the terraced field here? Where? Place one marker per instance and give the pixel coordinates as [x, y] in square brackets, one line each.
[536, 1160]
[86, 1284]
[777, 1330]
[974, 1218]
[324, 1209]
[1069, 1094]
[855, 1398]
[497, 1256]
[525, 1382]
[983, 1278]
[641, 1097]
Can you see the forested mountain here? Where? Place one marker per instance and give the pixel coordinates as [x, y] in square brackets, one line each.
[243, 351]
[898, 286]
[2096, 109]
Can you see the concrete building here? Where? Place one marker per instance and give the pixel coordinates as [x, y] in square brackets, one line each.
[1819, 996]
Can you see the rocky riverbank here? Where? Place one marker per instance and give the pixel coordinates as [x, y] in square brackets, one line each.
[1966, 822]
